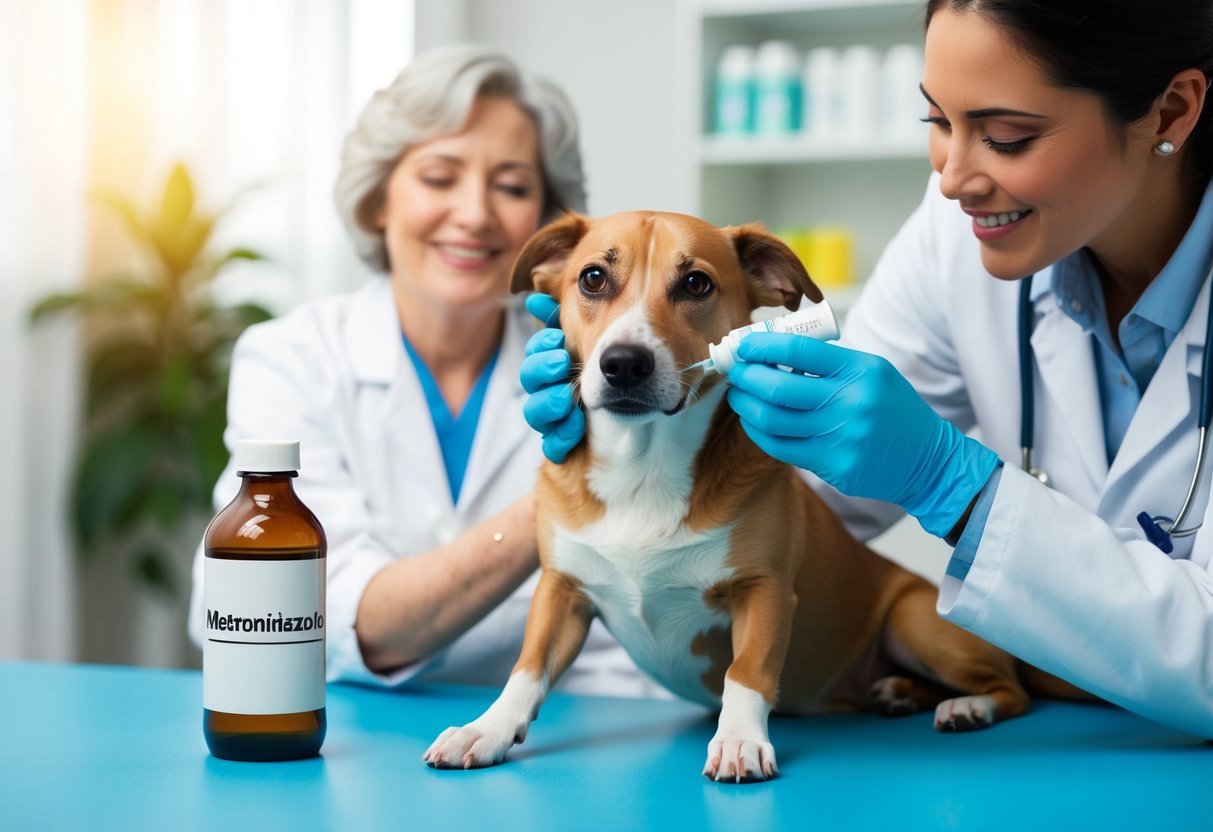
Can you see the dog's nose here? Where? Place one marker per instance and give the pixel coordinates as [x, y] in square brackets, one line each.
[626, 365]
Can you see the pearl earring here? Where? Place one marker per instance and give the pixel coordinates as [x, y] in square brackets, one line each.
[1164, 148]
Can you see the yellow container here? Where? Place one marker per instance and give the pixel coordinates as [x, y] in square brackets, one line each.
[827, 252]
[799, 241]
[831, 252]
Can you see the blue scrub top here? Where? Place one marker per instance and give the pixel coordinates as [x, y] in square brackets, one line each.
[455, 433]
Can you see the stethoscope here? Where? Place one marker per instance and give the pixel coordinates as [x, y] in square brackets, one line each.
[1152, 526]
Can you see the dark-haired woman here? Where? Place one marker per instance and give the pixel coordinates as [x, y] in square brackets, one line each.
[1070, 207]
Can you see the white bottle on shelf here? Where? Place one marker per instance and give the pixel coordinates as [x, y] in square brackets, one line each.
[820, 108]
[860, 95]
[777, 89]
[734, 93]
[904, 106]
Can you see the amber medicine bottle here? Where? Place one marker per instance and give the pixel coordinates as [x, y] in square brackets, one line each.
[263, 585]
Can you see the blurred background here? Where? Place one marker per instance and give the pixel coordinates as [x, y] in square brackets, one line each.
[167, 168]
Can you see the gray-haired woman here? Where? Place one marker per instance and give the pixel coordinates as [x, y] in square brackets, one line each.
[405, 394]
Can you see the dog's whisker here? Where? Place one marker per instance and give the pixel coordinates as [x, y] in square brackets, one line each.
[575, 370]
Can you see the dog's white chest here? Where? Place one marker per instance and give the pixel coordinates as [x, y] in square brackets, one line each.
[651, 594]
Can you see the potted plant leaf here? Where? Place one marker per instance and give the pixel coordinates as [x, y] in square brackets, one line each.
[157, 351]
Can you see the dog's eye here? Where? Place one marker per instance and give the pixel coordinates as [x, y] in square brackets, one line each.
[593, 280]
[698, 284]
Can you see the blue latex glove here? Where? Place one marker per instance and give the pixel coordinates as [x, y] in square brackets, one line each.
[550, 408]
[858, 424]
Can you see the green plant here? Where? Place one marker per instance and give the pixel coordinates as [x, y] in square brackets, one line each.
[157, 350]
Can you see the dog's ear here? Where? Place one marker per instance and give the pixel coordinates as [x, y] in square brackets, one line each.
[538, 265]
[775, 274]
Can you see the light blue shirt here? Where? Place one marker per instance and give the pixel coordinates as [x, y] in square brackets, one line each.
[455, 433]
[1123, 373]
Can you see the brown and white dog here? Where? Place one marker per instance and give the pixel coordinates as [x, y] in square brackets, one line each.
[715, 566]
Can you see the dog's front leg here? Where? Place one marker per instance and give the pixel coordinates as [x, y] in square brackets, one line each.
[762, 610]
[556, 628]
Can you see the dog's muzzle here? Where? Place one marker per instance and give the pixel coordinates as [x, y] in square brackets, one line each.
[626, 366]
[628, 370]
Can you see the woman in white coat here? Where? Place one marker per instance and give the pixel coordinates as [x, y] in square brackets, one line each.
[1073, 144]
[405, 394]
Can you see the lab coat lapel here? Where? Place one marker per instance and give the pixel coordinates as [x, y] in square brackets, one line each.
[373, 334]
[1063, 356]
[382, 370]
[1172, 397]
[501, 430]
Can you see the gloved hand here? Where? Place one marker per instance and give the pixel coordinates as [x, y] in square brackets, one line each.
[858, 424]
[550, 408]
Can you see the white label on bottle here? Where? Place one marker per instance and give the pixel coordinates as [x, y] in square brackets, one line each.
[263, 651]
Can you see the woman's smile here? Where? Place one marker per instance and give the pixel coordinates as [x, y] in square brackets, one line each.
[989, 226]
[466, 256]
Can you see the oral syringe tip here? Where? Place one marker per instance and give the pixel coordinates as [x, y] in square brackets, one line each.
[704, 365]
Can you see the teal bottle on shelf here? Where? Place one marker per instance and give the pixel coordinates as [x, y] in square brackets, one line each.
[734, 92]
[778, 95]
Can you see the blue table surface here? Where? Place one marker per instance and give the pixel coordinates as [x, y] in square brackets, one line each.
[101, 747]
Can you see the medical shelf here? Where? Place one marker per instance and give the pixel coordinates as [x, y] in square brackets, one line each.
[868, 183]
[793, 150]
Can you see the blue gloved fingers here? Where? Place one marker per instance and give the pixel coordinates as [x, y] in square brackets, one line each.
[546, 409]
[780, 387]
[544, 339]
[801, 353]
[794, 451]
[544, 368]
[545, 308]
[566, 435]
[772, 419]
[861, 427]
[544, 373]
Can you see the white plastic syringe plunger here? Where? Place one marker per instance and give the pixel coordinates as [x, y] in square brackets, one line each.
[816, 321]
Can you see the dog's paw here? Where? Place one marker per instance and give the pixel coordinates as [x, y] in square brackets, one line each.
[740, 761]
[890, 696]
[472, 746]
[965, 713]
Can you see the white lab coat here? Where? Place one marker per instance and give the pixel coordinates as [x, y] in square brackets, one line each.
[1064, 577]
[334, 374]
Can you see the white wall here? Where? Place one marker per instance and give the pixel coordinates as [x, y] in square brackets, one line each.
[616, 61]
[42, 217]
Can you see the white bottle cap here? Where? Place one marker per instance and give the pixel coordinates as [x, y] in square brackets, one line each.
[777, 59]
[722, 359]
[736, 63]
[266, 456]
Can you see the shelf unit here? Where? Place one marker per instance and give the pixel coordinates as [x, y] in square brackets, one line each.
[795, 150]
[868, 183]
